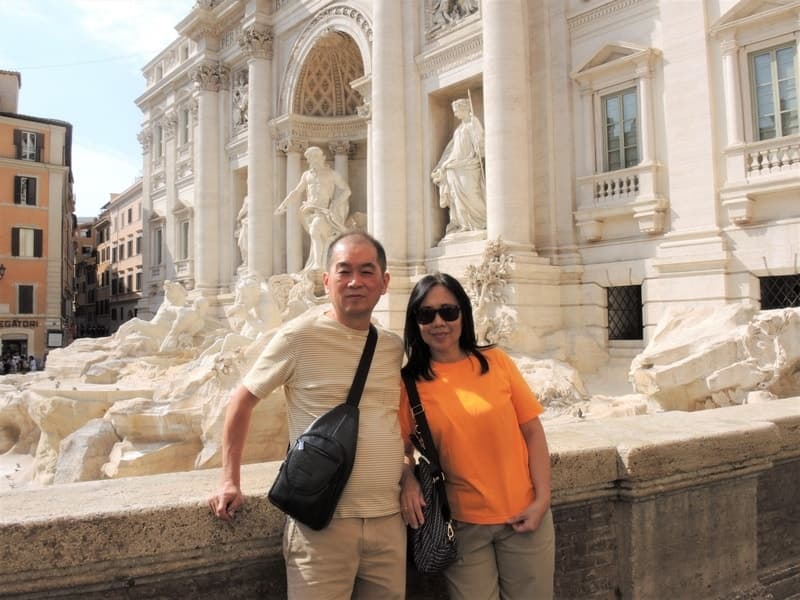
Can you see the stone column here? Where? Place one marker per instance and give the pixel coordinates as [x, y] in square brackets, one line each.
[169, 123]
[341, 151]
[645, 75]
[256, 42]
[144, 311]
[209, 77]
[509, 197]
[733, 103]
[365, 112]
[294, 230]
[388, 151]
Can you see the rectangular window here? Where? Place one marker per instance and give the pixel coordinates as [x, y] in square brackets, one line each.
[122, 251]
[139, 245]
[129, 283]
[114, 286]
[158, 151]
[621, 116]
[26, 242]
[130, 215]
[139, 281]
[184, 247]
[114, 254]
[780, 291]
[184, 136]
[25, 300]
[29, 144]
[25, 190]
[157, 247]
[774, 81]
[625, 312]
[130, 248]
[113, 314]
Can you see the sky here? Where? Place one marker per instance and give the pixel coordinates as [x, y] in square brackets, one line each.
[81, 62]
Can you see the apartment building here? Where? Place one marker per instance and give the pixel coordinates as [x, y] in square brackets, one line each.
[85, 278]
[118, 234]
[36, 228]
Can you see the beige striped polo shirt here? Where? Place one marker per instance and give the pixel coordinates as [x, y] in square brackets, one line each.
[315, 358]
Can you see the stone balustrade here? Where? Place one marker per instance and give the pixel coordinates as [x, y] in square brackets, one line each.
[672, 505]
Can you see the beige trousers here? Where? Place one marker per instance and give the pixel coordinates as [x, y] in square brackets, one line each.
[496, 563]
[363, 559]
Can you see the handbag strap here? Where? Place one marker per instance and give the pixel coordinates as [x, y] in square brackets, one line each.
[423, 440]
[354, 395]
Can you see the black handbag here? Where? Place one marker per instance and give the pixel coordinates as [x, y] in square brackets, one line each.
[432, 546]
[317, 466]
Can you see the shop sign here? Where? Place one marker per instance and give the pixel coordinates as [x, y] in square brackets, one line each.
[19, 323]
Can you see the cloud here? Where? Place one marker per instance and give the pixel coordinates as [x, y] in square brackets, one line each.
[140, 27]
[110, 172]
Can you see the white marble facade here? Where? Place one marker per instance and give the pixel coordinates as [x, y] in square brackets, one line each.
[621, 147]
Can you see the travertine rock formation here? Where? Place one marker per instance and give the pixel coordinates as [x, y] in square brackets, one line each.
[703, 357]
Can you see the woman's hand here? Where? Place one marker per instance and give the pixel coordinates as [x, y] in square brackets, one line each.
[411, 501]
[530, 518]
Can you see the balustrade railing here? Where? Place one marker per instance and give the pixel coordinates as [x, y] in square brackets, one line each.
[773, 156]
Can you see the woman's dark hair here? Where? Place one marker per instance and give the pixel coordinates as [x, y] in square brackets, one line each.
[419, 355]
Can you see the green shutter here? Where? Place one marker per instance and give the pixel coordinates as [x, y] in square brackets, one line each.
[37, 243]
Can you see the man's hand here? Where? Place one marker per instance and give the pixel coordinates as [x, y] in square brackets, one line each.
[226, 501]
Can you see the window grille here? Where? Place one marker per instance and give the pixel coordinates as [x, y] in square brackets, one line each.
[781, 291]
[625, 313]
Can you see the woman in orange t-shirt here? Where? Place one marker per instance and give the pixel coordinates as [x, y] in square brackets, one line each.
[484, 420]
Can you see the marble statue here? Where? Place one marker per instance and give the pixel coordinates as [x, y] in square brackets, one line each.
[148, 336]
[324, 211]
[459, 173]
[240, 100]
[447, 12]
[242, 223]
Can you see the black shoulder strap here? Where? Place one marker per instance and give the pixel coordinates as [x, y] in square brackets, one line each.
[354, 395]
[423, 439]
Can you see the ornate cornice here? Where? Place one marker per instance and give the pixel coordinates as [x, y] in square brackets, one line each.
[303, 128]
[445, 59]
[256, 41]
[211, 76]
[343, 11]
[606, 10]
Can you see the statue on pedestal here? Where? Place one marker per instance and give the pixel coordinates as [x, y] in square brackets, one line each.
[459, 173]
[241, 230]
[324, 211]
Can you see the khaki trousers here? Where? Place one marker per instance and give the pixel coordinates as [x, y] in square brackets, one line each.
[496, 563]
[363, 559]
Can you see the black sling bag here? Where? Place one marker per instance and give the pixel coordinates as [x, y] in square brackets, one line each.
[318, 464]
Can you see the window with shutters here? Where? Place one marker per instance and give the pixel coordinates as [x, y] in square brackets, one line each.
[25, 190]
[26, 242]
[25, 300]
[29, 144]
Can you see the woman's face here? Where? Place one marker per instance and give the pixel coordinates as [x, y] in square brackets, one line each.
[441, 336]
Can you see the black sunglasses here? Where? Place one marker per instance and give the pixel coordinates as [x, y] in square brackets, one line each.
[448, 312]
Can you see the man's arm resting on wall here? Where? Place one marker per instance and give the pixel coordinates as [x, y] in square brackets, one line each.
[234, 434]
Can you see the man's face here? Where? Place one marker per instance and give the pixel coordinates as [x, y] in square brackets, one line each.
[354, 281]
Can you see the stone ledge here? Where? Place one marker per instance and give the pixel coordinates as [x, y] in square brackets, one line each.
[154, 536]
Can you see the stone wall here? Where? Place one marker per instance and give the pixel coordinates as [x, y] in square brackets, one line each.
[673, 505]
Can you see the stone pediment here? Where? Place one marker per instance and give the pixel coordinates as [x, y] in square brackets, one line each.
[748, 11]
[610, 53]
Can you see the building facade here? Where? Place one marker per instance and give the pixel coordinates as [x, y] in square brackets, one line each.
[36, 229]
[640, 155]
[118, 232]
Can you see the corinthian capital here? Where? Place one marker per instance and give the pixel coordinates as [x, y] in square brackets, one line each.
[210, 76]
[145, 137]
[256, 41]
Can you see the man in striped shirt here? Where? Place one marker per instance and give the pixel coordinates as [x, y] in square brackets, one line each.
[315, 357]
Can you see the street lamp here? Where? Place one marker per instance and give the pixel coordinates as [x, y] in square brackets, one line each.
[2, 271]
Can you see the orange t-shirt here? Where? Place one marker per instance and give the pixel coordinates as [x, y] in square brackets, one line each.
[475, 422]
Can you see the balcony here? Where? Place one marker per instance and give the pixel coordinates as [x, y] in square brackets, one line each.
[758, 169]
[631, 193]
